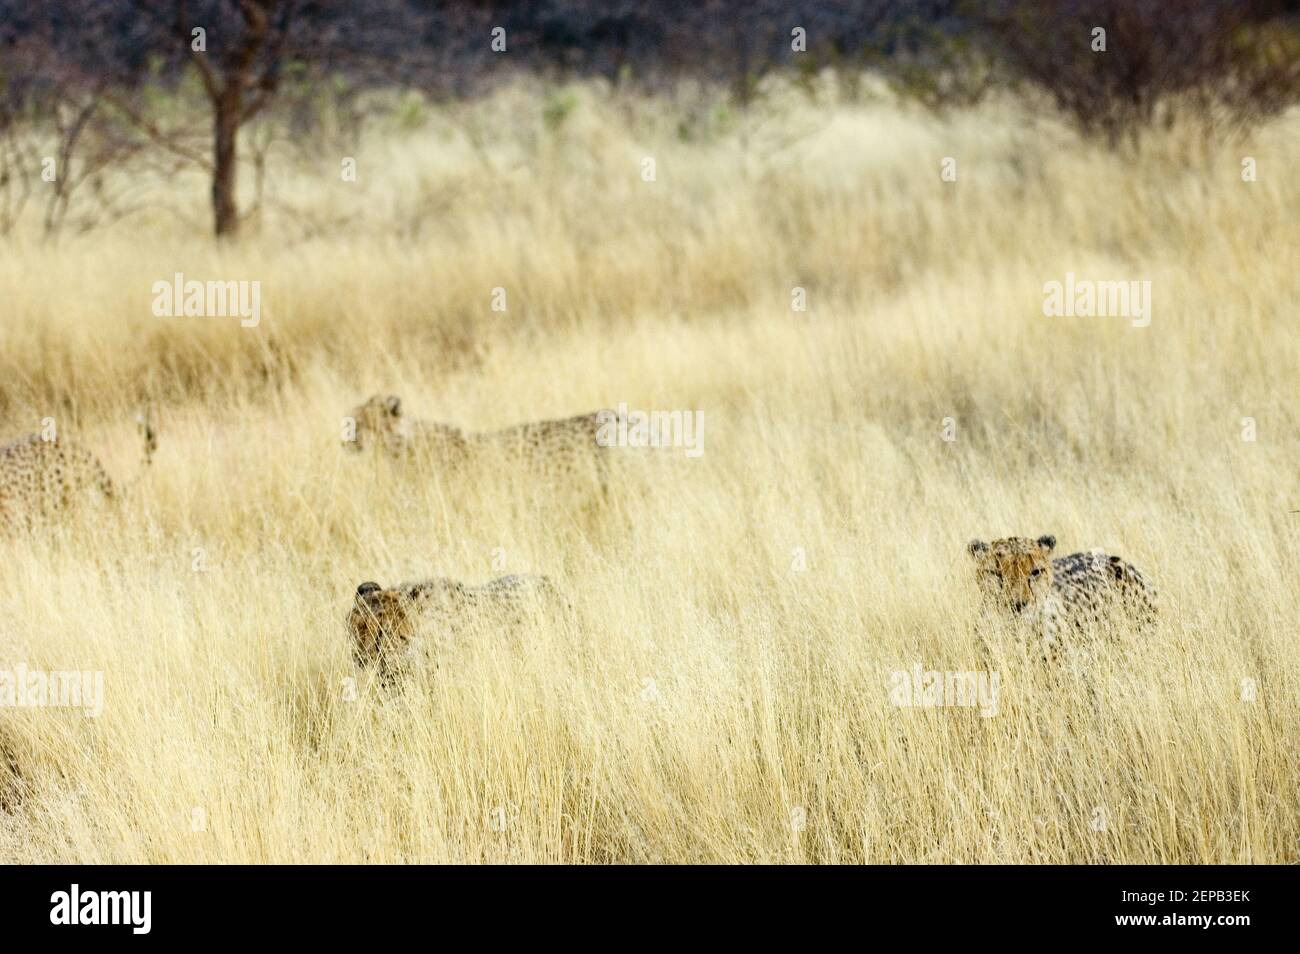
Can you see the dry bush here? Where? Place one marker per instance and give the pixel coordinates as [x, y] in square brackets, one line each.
[1226, 64]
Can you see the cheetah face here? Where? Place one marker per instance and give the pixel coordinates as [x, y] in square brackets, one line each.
[378, 423]
[1015, 572]
[379, 623]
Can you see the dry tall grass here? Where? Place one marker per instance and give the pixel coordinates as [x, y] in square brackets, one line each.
[707, 701]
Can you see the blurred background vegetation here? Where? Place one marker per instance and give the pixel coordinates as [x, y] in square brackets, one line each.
[162, 87]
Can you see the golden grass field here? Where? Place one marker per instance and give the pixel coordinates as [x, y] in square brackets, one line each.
[706, 701]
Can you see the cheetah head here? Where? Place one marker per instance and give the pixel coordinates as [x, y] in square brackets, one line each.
[1015, 572]
[378, 622]
[378, 422]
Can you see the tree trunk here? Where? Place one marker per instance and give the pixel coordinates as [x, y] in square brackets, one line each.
[225, 212]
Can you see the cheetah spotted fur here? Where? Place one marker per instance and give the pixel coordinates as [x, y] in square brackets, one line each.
[409, 624]
[564, 450]
[41, 479]
[1062, 597]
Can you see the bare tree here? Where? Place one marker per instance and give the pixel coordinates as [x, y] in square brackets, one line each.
[240, 75]
[58, 130]
[105, 52]
[18, 162]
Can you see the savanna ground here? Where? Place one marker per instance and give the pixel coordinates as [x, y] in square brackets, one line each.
[708, 700]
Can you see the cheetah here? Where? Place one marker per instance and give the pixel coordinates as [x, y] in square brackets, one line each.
[561, 451]
[392, 628]
[1054, 597]
[41, 479]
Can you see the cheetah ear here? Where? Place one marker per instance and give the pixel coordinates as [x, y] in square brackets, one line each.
[394, 405]
[367, 587]
[976, 547]
[1047, 542]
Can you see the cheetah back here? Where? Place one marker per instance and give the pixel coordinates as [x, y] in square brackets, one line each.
[1091, 586]
[40, 479]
